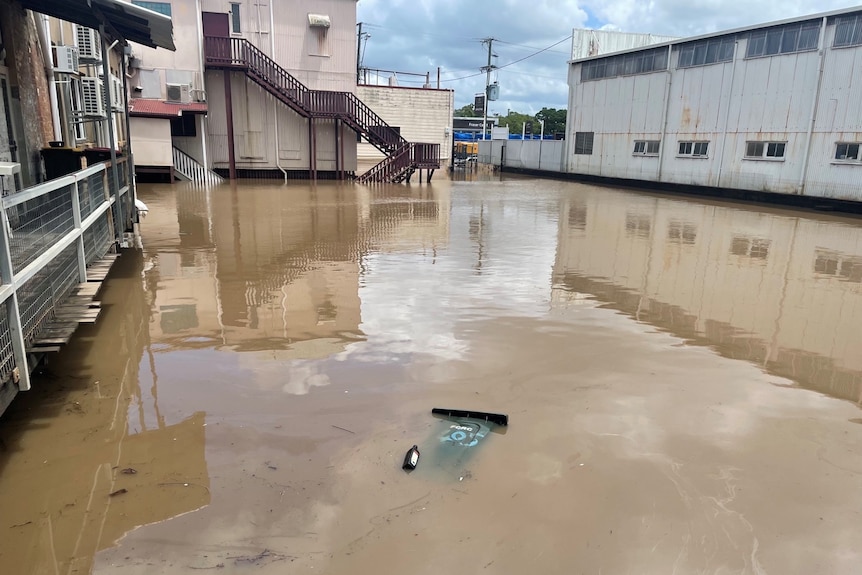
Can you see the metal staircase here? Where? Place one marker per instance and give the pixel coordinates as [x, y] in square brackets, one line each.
[402, 157]
[190, 169]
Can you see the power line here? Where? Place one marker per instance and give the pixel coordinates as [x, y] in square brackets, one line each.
[537, 53]
[524, 46]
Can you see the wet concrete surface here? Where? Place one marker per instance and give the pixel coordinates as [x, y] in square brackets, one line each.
[683, 380]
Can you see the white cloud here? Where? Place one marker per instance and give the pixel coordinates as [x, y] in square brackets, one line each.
[420, 35]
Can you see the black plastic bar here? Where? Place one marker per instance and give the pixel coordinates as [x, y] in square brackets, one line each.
[498, 418]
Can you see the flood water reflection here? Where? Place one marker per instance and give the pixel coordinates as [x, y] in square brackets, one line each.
[262, 365]
[780, 290]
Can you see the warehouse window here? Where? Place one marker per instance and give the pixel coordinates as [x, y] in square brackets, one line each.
[641, 62]
[848, 31]
[693, 149]
[847, 152]
[646, 148]
[235, 22]
[783, 40]
[706, 52]
[584, 143]
[764, 150]
[160, 7]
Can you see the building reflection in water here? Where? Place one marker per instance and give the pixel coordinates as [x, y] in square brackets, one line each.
[67, 443]
[267, 267]
[778, 290]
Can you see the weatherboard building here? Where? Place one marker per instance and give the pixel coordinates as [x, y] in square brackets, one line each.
[770, 108]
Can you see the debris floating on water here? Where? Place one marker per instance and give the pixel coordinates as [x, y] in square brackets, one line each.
[498, 418]
[411, 458]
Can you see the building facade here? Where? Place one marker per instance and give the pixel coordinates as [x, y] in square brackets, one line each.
[261, 88]
[180, 102]
[770, 108]
[420, 114]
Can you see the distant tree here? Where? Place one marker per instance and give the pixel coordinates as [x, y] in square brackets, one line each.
[515, 122]
[555, 120]
[465, 112]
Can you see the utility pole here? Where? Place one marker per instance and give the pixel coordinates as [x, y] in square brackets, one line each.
[358, 47]
[487, 69]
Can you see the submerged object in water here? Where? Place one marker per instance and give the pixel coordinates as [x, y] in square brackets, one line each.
[498, 418]
[411, 459]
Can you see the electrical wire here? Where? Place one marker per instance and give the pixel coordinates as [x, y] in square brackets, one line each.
[525, 47]
[569, 37]
[536, 53]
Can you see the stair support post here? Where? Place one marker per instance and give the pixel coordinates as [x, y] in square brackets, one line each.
[338, 158]
[228, 104]
[312, 150]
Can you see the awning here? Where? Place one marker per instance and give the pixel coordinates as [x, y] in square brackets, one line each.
[146, 108]
[122, 19]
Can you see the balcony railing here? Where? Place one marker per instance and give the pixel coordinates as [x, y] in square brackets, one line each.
[50, 233]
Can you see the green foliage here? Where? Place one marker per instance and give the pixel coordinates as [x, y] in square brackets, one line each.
[515, 121]
[465, 112]
[555, 120]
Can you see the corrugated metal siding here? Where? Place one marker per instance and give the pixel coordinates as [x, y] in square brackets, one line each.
[321, 64]
[587, 43]
[423, 115]
[254, 119]
[727, 104]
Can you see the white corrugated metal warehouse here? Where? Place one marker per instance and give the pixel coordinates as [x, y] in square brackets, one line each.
[770, 108]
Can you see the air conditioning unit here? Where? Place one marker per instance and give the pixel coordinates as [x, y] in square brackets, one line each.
[66, 59]
[179, 93]
[117, 100]
[89, 44]
[94, 98]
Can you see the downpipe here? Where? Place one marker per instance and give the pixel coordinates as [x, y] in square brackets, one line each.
[44, 32]
[275, 103]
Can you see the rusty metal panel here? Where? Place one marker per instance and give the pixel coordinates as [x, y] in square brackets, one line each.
[587, 43]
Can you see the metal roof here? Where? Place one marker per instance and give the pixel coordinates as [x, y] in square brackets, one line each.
[160, 109]
[731, 32]
[122, 20]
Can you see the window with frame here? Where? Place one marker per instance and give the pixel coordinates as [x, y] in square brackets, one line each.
[184, 125]
[847, 152]
[641, 62]
[783, 39]
[693, 149]
[235, 22]
[160, 7]
[646, 148]
[756, 150]
[706, 52]
[584, 143]
[848, 31]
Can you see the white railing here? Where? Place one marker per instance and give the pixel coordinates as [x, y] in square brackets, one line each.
[192, 170]
[49, 234]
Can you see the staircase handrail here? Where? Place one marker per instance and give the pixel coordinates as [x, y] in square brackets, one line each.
[390, 166]
[239, 52]
[192, 169]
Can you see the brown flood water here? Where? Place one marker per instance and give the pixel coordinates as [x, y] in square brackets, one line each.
[683, 380]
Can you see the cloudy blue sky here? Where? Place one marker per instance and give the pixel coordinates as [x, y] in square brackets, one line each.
[420, 35]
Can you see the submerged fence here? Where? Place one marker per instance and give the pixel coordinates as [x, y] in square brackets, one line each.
[50, 233]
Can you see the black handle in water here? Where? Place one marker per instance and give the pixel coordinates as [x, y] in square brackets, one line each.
[411, 459]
